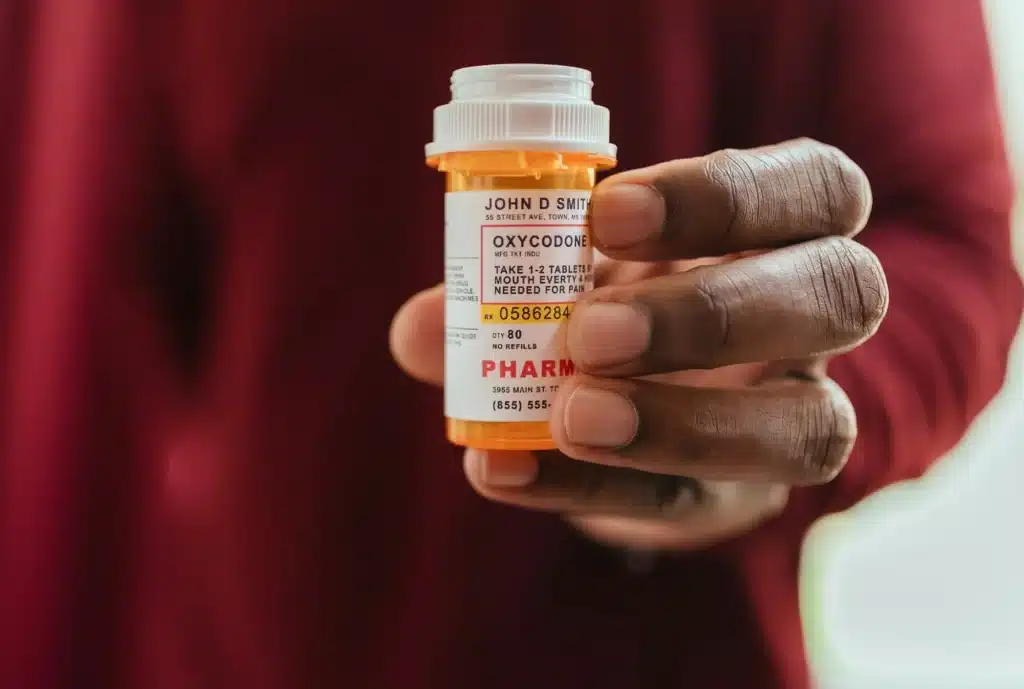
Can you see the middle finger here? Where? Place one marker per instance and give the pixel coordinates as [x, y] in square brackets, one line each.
[794, 433]
[815, 298]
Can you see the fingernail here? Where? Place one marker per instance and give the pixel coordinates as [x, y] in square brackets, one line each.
[607, 334]
[599, 418]
[502, 469]
[623, 214]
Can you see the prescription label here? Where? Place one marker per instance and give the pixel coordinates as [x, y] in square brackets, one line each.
[515, 263]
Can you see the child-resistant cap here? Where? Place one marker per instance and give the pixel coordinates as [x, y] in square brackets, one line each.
[523, 108]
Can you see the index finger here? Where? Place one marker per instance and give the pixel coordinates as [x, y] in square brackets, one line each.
[729, 202]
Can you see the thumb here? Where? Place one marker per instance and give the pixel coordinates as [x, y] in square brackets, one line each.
[417, 336]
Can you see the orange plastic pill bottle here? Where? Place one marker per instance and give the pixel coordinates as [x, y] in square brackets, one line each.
[521, 145]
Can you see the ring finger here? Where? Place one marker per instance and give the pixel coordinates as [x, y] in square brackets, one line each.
[797, 433]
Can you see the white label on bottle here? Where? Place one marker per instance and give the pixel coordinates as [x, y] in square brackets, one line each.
[515, 261]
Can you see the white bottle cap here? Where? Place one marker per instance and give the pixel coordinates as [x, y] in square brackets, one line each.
[521, 108]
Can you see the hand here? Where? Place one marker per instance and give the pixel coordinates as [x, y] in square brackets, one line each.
[701, 395]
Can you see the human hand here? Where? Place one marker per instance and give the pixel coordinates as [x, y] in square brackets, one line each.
[701, 393]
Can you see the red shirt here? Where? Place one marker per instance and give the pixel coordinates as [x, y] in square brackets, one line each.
[211, 473]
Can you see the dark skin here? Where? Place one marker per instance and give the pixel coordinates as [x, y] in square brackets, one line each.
[702, 393]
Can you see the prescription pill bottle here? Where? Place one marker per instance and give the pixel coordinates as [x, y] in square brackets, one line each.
[521, 146]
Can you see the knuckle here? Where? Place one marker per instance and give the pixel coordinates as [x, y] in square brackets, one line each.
[849, 288]
[828, 429]
[709, 325]
[734, 173]
[694, 429]
[839, 197]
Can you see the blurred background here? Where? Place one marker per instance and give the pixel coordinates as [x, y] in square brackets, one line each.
[906, 591]
[922, 585]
